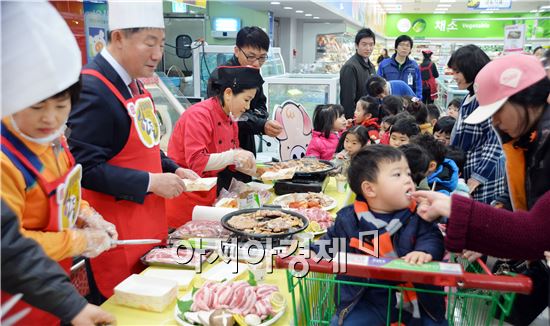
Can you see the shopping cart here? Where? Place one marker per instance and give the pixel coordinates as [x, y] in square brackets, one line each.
[473, 295]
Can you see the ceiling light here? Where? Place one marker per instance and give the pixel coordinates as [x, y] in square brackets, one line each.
[299, 11]
[534, 10]
[315, 17]
[275, 3]
[447, 1]
[441, 9]
[486, 12]
[545, 7]
[309, 15]
[287, 8]
[443, 5]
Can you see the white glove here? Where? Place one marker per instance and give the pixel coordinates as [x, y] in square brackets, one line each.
[245, 162]
[92, 219]
[97, 241]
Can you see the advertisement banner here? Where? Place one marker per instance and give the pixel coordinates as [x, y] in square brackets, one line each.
[489, 4]
[514, 38]
[96, 27]
[449, 26]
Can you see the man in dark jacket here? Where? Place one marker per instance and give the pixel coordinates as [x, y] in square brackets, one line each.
[27, 270]
[356, 71]
[401, 67]
[251, 50]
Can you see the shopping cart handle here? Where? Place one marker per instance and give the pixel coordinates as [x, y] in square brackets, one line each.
[518, 283]
[384, 269]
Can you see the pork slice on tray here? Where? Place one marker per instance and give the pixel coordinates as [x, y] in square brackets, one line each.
[172, 256]
[200, 229]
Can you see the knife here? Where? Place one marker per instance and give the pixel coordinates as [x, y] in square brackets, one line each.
[136, 242]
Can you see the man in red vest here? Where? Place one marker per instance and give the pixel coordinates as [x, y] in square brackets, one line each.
[115, 135]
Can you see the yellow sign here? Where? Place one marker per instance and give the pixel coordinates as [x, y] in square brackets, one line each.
[69, 198]
[146, 122]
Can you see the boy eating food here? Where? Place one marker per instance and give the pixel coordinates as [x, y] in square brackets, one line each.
[380, 177]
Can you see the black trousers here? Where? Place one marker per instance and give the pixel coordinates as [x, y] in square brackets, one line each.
[526, 308]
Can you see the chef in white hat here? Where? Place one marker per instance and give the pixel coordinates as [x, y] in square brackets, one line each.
[40, 68]
[115, 135]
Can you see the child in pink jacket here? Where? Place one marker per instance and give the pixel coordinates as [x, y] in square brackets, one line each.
[328, 124]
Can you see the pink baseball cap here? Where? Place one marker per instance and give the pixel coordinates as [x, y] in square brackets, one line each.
[500, 79]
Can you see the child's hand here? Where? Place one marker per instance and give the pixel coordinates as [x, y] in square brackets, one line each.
[349, 123]
[471, 255]
[417, 257]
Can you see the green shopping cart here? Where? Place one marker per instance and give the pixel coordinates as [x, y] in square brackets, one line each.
[473, 295]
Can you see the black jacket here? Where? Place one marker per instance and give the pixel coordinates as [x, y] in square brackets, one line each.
[99, 128]
[254, 119]
[353, 76]
[26, 269]
[537, 180]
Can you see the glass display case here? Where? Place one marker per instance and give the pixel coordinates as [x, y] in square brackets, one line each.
[207, 58]
[331, 52]
[169, 102]
[306, 89]
[447, 91]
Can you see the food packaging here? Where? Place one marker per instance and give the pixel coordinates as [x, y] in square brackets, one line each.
[201, 184]
[181, 276]
[242, 195]
[282, 174]
[223, 271]
[146, 293]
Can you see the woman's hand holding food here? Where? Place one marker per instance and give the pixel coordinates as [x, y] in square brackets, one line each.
[432, 205]
[245, 162]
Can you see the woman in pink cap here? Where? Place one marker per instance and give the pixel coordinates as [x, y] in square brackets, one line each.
[513, 90]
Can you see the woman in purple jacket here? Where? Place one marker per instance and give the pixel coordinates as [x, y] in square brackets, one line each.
[513, 90]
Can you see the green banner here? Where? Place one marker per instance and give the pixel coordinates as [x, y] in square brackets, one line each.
[443, 26]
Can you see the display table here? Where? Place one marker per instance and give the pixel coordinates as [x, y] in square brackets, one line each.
[132, 316]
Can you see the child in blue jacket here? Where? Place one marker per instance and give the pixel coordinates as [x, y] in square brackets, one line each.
[380, 177]
[443, 172]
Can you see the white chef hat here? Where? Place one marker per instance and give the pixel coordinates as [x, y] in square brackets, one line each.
[40, 56]
[135, 14]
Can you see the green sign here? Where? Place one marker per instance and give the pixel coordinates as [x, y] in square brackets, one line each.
[444, 26]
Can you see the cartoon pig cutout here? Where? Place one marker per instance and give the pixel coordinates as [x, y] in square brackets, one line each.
[297, 130]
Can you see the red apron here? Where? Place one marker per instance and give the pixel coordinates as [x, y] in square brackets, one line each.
[64, 196]
[132, 220]
[429, 82]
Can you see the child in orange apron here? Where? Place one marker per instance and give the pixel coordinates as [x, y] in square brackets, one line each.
[40, 180]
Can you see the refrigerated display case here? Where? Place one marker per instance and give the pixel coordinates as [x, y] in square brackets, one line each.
[306, 89]
[207, 58]
[169, 103]
[447, 91]
[331, 52]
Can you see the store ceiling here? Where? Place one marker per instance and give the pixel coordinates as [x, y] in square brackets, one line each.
[315, 8]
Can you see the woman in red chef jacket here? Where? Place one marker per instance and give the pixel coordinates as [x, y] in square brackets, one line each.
[206, 139]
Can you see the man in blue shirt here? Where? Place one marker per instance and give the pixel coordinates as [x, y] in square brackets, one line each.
[377, 86]
[401, 67]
